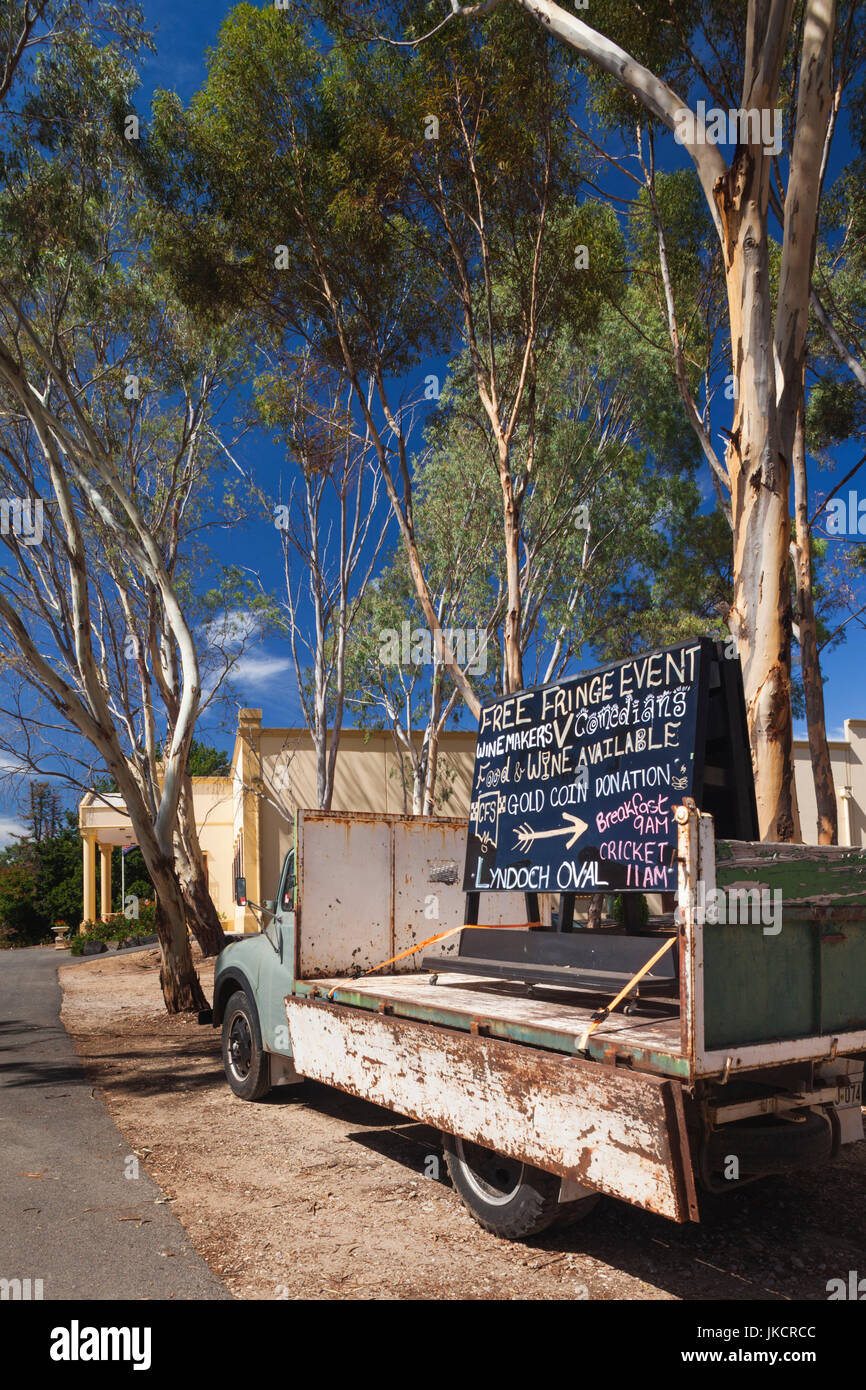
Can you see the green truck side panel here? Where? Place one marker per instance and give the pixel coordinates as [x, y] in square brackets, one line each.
[806, 979]
[758, 988]
[843, 979]
[835, 877]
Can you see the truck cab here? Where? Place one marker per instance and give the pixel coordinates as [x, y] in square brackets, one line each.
[252, 977]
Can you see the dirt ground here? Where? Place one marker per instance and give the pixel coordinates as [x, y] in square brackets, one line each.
[313, 1194]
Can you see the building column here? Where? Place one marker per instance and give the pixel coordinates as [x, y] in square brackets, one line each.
[104, 882]
[88, 845]
[252, 785]
[846, 830]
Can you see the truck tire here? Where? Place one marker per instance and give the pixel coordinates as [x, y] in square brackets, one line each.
[507, 1197]
[765, 1145]
[245, 1061]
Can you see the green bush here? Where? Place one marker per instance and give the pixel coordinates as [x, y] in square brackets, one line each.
[117, 931]
[102, 931]
[120, 931]
[619, 909]
[146, 923]
[93, 931]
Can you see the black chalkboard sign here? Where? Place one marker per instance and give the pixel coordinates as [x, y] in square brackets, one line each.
[575, 783]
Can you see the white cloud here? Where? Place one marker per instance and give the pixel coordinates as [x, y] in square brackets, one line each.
[8, 828]
[253, 671]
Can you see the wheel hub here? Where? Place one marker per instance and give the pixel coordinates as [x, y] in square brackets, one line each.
[240, 1046]
[494, 1176]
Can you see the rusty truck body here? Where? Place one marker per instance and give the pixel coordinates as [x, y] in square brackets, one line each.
[738, 1055]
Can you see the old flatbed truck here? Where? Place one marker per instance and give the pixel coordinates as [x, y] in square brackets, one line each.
[738, 1053]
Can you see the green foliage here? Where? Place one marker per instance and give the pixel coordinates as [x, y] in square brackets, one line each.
[204, 760]
[836, 411]
[41, 883]
[610, 438]
[207, 761]
[22, 922]
[119, 932]
[41, 875]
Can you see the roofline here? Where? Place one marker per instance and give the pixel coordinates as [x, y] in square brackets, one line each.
[366, 733]
[802, 744]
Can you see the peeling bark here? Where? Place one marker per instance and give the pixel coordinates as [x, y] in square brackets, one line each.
[768, 355]
[761, 619]
[810, 663]
[201, 914]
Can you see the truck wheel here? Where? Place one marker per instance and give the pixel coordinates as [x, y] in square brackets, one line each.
[764, 1145]
[505, 1196]
[244, 1059]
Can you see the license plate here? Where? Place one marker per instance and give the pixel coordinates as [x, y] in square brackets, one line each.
[852, 1094]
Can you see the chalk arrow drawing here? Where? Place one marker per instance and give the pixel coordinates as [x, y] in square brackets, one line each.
[526, 835]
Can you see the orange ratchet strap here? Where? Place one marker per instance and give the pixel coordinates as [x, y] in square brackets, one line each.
[602, 1014]
[440, 936]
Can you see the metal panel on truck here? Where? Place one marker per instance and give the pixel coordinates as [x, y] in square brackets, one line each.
[345, 894]
[774, 950]
[372, 886]
[605, 1127]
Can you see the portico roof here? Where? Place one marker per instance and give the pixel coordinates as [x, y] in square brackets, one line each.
[103, 815]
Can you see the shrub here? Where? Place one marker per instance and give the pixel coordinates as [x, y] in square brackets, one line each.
[105, 932]
[619, 910]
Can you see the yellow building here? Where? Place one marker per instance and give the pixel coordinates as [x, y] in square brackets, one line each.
[848, 761]
[103, 823]
[245, 819]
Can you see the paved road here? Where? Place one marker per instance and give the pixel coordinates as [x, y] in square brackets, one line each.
[63, 1193]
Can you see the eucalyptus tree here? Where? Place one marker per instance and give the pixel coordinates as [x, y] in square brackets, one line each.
[331, 528]
[490, 201]
[101, 408]
[617, 547]
[396, 673]
[751, 60]
[678, 262]
[36, 28]
[385, 210]
[271, 204]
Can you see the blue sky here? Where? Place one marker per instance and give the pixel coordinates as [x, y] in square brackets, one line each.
[183, 34]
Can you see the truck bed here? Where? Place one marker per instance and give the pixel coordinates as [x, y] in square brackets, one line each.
[771, 954]
[552, 1019]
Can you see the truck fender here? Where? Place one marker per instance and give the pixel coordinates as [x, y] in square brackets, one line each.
[231, 980]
